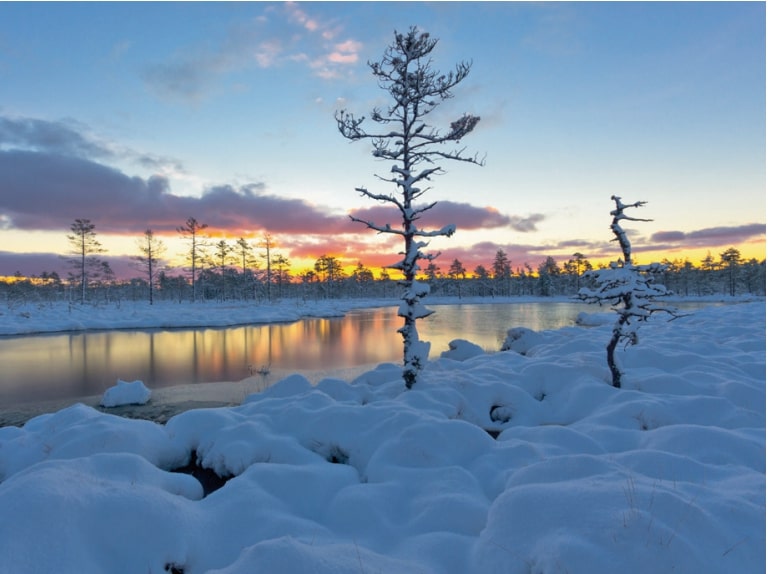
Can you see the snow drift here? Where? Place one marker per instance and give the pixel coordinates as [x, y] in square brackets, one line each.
[494, 463]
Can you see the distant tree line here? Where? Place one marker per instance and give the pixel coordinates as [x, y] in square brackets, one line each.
[239, 270]
[729, 275]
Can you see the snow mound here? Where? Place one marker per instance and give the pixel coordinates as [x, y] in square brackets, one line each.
[503, 462]
[461, 350]
[125, 393]
[521, 340]
[594, 319]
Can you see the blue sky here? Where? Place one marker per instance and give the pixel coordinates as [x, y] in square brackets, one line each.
[138, 115]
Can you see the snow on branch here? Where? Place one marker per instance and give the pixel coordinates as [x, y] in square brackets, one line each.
[407, 74]
[630, 289]
[621, 236]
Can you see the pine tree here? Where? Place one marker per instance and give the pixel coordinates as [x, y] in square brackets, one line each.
[151, 249]
[85, 248]
[630, 289]
[191, 230]
[405, 72]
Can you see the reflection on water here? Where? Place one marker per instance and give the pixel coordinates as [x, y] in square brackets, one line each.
[487, 325]
[81, 364]
[36, 368]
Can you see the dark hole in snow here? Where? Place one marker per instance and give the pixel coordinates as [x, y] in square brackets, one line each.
[332, 453]
[501, 413]
[337, 455]
[540, 396]
[493, 432]
[174, 569]
[207, 477]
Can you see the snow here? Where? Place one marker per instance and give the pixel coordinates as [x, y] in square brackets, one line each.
[513, 462]
[125, 393]
[461, 350]
[62, 316]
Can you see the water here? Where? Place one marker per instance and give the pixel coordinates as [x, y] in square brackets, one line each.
[71, 365]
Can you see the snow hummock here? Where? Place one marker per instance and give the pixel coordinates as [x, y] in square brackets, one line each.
[501, 462]
[125, 393]
[461, 350]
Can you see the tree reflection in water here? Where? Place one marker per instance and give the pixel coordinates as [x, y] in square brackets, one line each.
[71, 365]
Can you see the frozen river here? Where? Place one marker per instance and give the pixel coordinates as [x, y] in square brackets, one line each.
[77, 364]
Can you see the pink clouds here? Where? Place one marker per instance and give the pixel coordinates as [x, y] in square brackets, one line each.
[464, 215]
[346, 52]
[711, 236]
[33, 182]
[60, 173]
[300, 17]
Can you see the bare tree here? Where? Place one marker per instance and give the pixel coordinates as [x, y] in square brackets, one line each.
[405, 72]
[85, 248]
[630, 289]
[191, 231]
[151, 249]
[268, 243]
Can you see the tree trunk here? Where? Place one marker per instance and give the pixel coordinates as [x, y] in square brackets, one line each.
[611, 348]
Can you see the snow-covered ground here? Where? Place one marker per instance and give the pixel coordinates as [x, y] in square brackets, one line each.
[61, 316]
[523, 461]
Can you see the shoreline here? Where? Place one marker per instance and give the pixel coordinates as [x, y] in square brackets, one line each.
[168, 401]
[59, 317]
[165, 402]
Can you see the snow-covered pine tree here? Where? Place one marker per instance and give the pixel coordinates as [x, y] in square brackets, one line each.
[416, 89]
[630, 289]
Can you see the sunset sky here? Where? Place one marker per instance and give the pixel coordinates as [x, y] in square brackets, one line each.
[140, 115]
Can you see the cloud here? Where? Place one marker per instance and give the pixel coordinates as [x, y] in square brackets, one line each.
[709, 237]
[34, 264]
[346, 52]
[668, 236]
[249, 208]
[28, 264]
[34, 182]
[300, 17]
[660, 242]
[484, 252]
[186, 80]
[526, 224]
[348, 249]
[463, 215]
[46, 164]
[281, 35]
[70, 138]
[56, 137]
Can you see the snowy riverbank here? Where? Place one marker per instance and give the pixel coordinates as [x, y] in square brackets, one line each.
[32, 318]
[501, 463]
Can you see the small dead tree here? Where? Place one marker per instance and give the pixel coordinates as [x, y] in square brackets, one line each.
[406, 73]
[630, 289]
